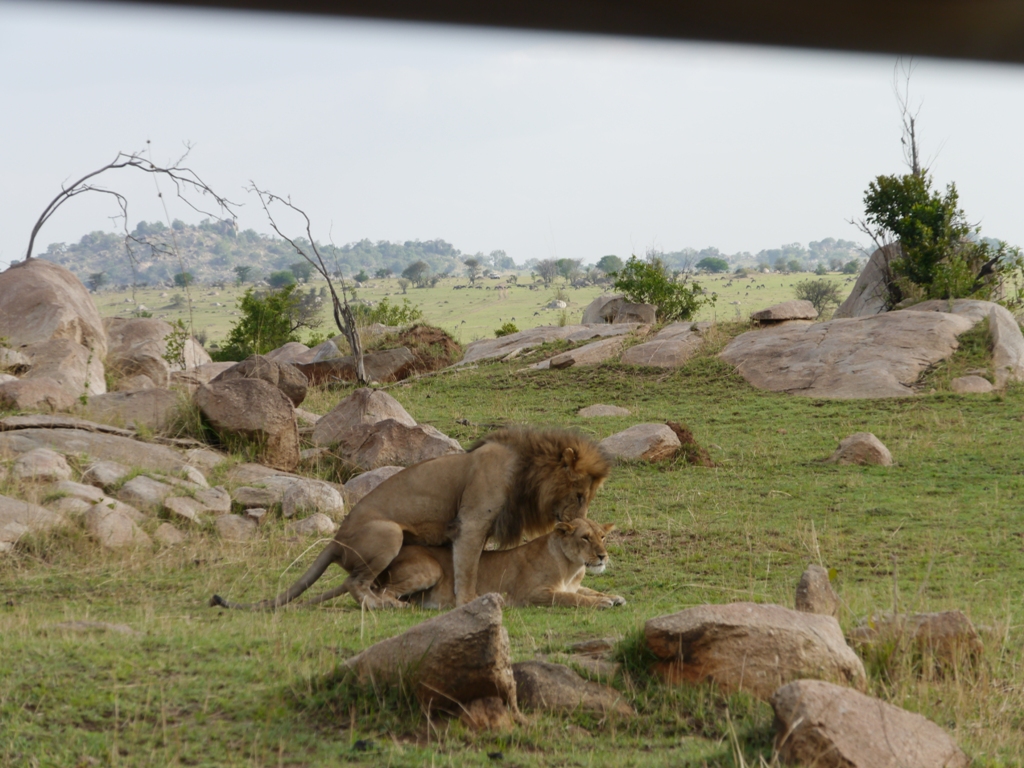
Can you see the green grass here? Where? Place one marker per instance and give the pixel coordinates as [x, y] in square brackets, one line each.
[200, 686]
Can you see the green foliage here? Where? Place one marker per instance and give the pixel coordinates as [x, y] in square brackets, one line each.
[506, 329]
[610, 264]
[568, 269]
[647, 282]
[302, 270]
[242, 273]
[281, 278]
[852, 267]
[97, 280]
[713, 264]
[387, 313]
[794, 265]
[382, 274]
[266, 323]
[183, 279]
[362, 277]
[177, 301]
[176, 340]
[821, 269]
[822, 293]
[418, 272]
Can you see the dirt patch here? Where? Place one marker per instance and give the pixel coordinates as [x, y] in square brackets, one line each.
[690, 449]
[433, 348]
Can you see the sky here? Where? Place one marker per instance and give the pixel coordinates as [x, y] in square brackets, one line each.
[543, 145]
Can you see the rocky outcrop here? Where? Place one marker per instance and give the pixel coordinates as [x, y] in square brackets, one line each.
[829, 726]
[603, 309]
[152, 409]
[642, 442]
[364, 406]
[41, 465]
[861, 448]
[138, 345]
[447, 661]
[289, 379]
[752, 647]
[390, 442]
[41, 301]
[256, 411]
[671, 347]
[77, 369]
[35, 395]
[589, 354]
[18, 518]
[868, 357]
[515, 343]
[98, 445]
[635, 313]
[870, 293]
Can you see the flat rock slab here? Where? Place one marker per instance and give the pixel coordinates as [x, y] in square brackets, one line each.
[796, 309]
[589, 354]
[551, 687]
[53, 421]
[514, 343]
[752, 647]
[108, 447]
[642, 442]
[150, 408]
[598, 410]
[866, 357]
[41, 465]
[452, 659]
[669, 352]
[829, 726]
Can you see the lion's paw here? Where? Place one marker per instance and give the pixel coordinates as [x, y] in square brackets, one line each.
[618, 600]
[382, 601]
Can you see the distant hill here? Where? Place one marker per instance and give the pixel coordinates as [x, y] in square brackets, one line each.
[211, 250]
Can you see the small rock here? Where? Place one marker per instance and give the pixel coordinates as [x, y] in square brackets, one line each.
[248, 497]
[89, 493]
[589, 354]
[235, 528]
[360, 485]
[829, 726]
[113, 528]
[314, 525]
[215, 500]
[307, 496]
[184, 508]
[70, 506]
[204, 458]
[646, 442]
[41, 465]
[306, 418]
[104, 474]
[257, 515]
[861, 448]
[599, 669]
[592, 411]
[95, 626]
[971, 385]
[169, 536]
[193, 475]
[814, 593]
[598, 647]
[145, 493]
[552, 687]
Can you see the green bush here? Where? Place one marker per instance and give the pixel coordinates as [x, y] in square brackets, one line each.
[506, 329]
[266, 323]
[822, 293]
[648, 282]
[387, 313]
[281, 278]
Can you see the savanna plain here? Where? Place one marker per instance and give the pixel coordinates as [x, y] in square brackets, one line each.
[194, 685]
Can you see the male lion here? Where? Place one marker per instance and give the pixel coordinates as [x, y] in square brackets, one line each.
[545, 571]
[512, 483]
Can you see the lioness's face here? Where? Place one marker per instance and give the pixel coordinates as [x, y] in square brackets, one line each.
[583, 543]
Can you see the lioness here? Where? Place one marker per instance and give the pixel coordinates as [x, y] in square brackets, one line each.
[512, 483]
[545, 571]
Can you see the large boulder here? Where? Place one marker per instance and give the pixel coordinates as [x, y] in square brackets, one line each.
[137, 346]
[795, 309]
[42, 301]
[870, 293]
[542, 685]
[360, 485]
[364, 406]
[293, 352]
[642, 442]
[285, 377]
[256, 411]
[98, 445]
[387, 365]
[152, 409]
[20, 517]
[671, 347]
[193, 378]
[41, 465]
[35, 395]
[603, 309]
[390, 442]
[635, 313]
[829, 726]
[78, 369]
[448, 661]
[752, 647]
[865, 357]
[589, 354]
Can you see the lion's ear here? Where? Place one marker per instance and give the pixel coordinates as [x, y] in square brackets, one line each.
[569, 458]
[565, 528]
[608, 527]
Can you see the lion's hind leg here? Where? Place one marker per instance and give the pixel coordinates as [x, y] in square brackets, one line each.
[365, 555]
[414, 571]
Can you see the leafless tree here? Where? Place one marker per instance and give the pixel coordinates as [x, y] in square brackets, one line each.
[343, 316]
[901, 75]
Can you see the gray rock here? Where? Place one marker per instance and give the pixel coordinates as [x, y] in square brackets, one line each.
[12, 360]
[289, 379]
[830, 726]
[256, 411]
[185, 508]
[89, 493]
[752, 647]
[113, 529]
[97, 445]
[870, 292]
[138, 346]
[947, 638]
[169, 536]
[389, 442]
[665, 350]
[291, 353]
[145, 493]
[636, 313]
[41, 465]
[204, 459]
[642, 442]
[269, 493]
[309, 496]
[360, 485]
[20, 517]
[602, 309]
[35, 395]
[152, 409]
[192, 379]
[515, 343]
[77, 369]
[1007, 346]
[235, 528]
[104, 474]
[215, 500]
[135, 383]
[868, 357]
[971, 385]
[589, 354]
[364, 406]
[69, 506]
[314, 525]
[814, 593]
[592, 411]
[386, 365]
[257, 515]
[861, 448]
[550, 687]
[5, 377]
[795, 309]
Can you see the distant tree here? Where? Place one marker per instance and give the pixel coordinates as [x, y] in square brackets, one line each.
[183, 279]
[794, 265]
[97, 280]
[609, 264]
[472, 269]
[281, 278]
[821, 269]
[822, 293]
[852, 267]
[835, 264]
[569, 269]
[302, 270]
[404, 283]
[362, 277]
[242, 273]
[418, 272]
[502, 260]
[382, 274]
[547, 270]
[713, 264]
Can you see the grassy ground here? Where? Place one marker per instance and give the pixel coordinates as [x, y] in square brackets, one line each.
[198, 686]
[468, 314]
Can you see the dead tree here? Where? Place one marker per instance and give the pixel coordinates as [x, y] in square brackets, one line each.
[343, 317]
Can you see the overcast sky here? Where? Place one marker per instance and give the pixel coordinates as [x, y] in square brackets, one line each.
[539, 144]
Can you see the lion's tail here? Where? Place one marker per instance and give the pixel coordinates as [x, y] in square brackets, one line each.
[308, 579]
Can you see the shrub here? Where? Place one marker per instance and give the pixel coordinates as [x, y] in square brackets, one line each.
[507, 329]
[822, 293]
[713, 264]
[267, 322]
[648, 282]
[852, 267]
[387, 313]
[281, 278]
